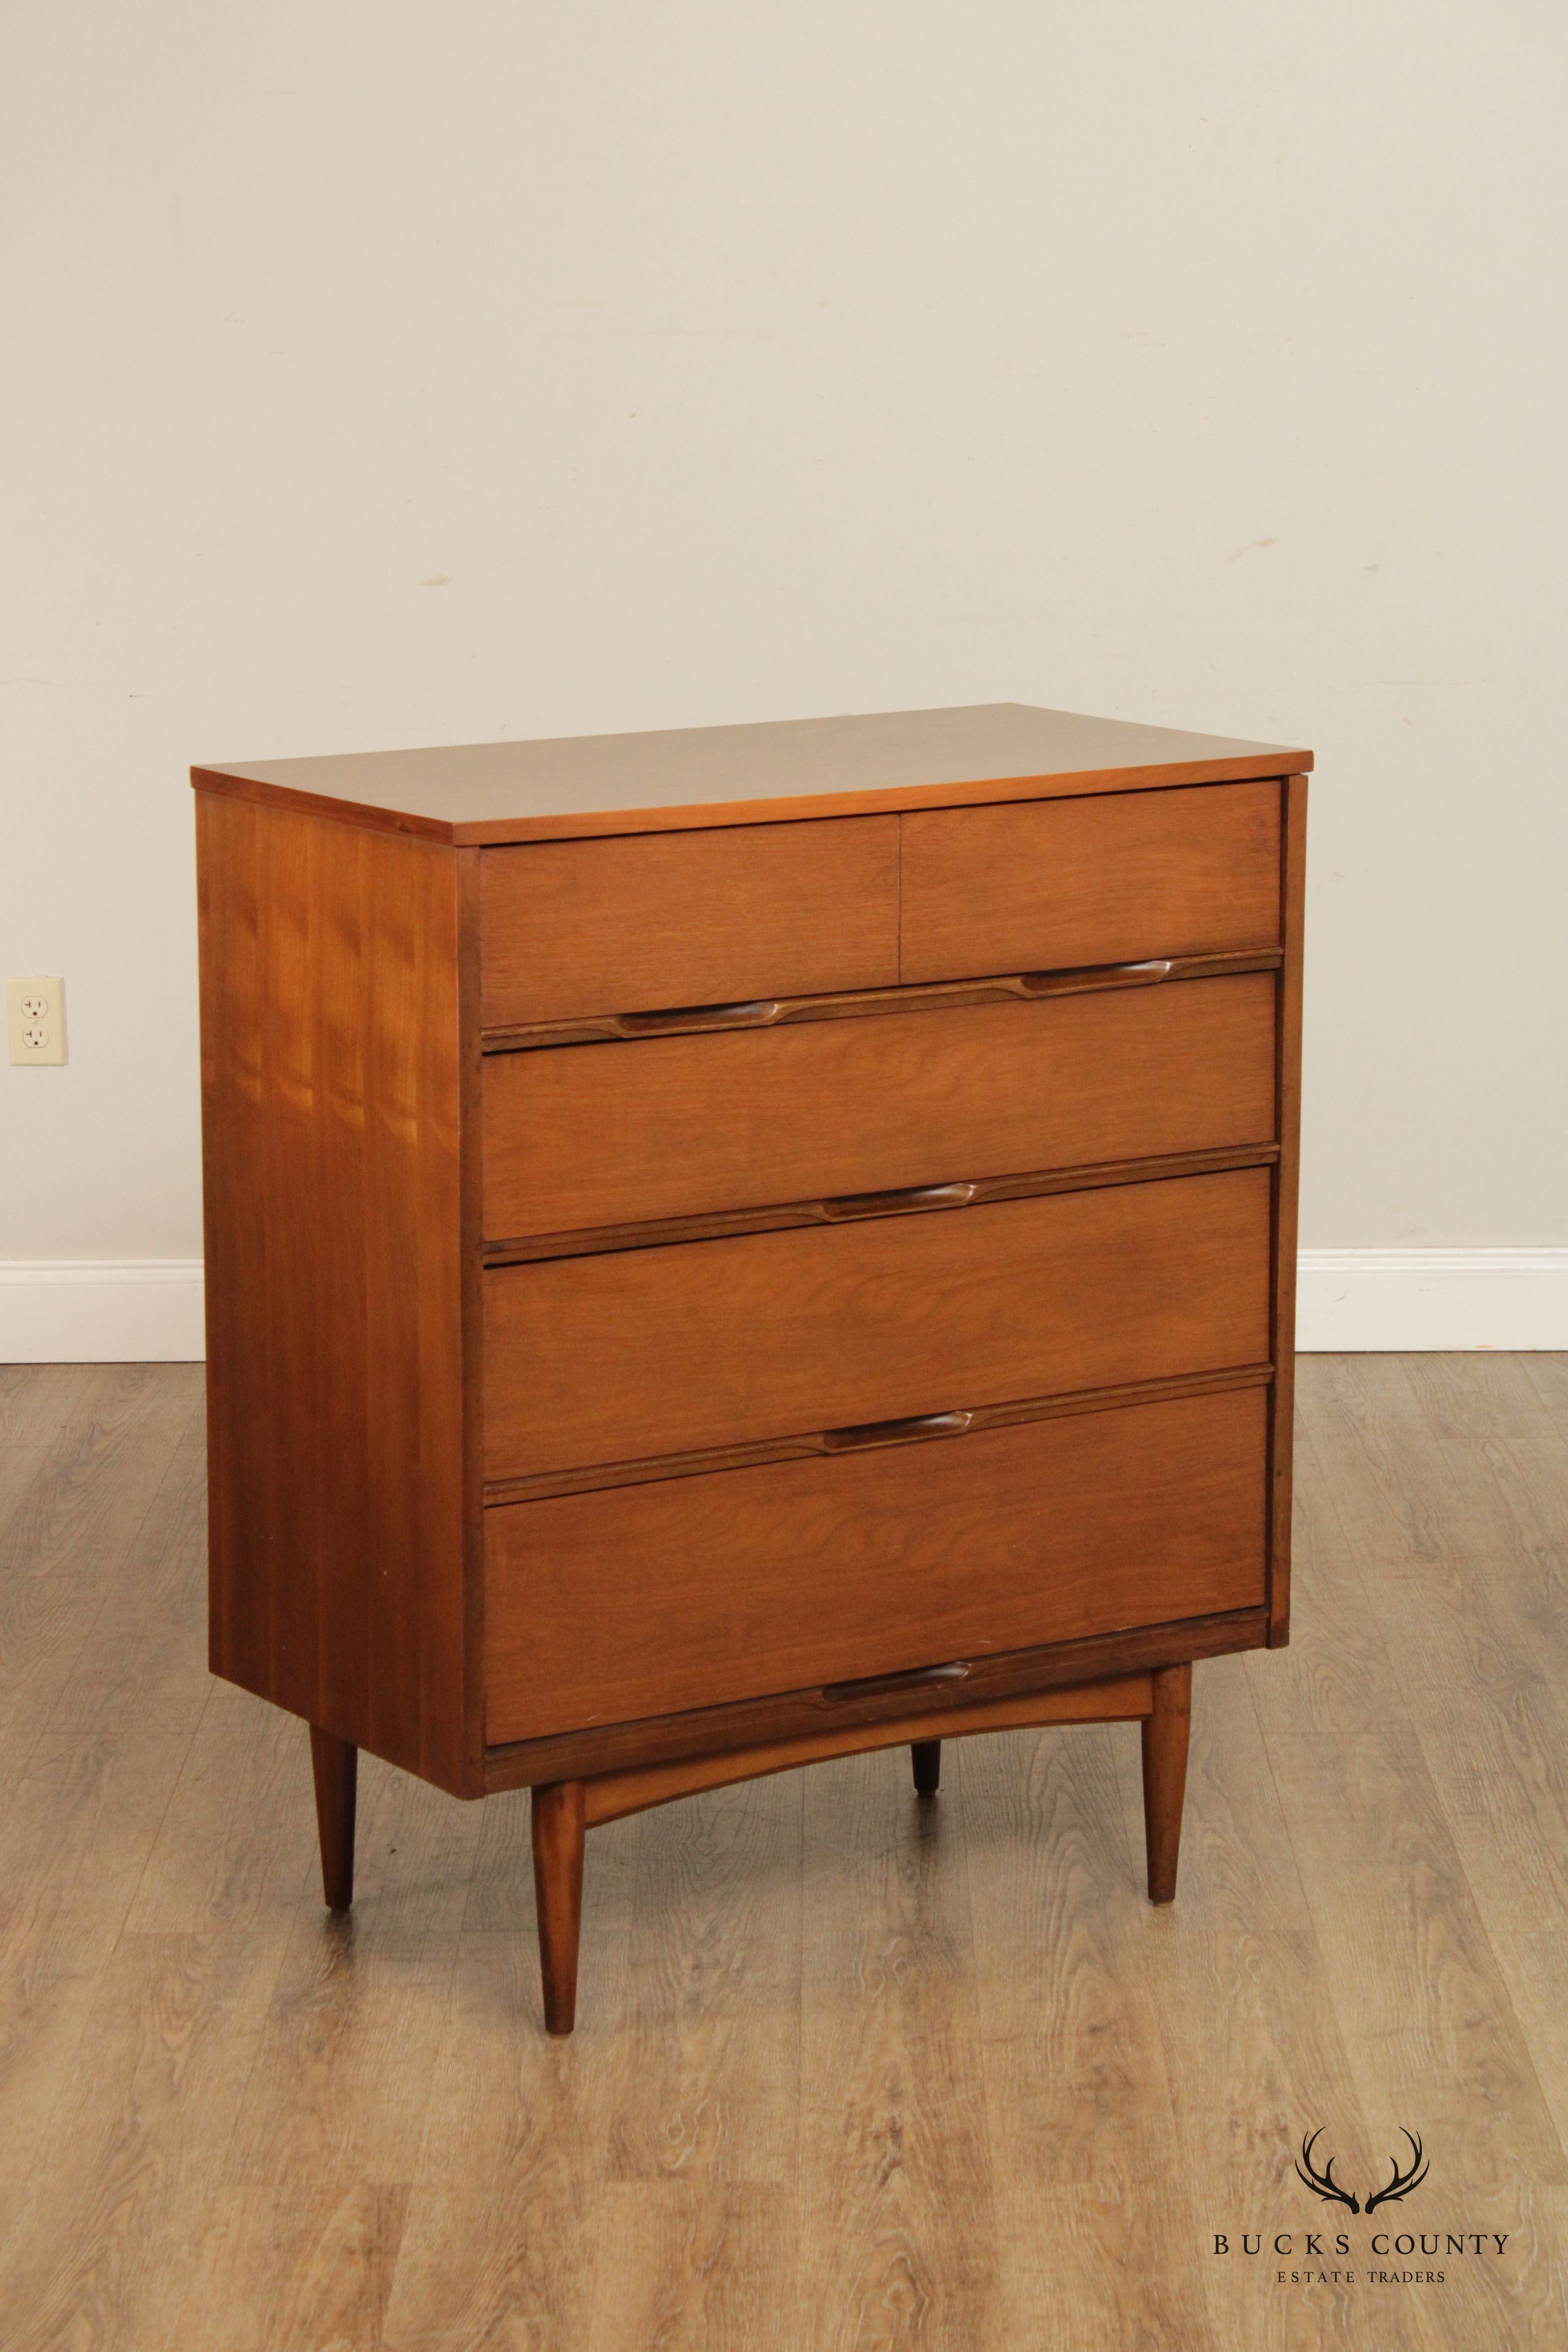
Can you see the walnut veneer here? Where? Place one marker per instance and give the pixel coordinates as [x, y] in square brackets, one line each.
[735, 1248]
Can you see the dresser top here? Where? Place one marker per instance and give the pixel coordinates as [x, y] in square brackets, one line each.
[566, 786]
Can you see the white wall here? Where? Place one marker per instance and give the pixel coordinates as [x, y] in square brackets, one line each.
[390, 373]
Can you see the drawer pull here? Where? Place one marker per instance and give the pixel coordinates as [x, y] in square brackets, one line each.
[875, 1685]
[1103, 975]
[895, 1433]
[892, 1205]
[754, 1014]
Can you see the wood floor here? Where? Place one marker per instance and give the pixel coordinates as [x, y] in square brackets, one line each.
[851, 2071]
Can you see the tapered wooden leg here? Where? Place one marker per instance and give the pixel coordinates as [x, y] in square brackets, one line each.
[926, 1756]
[1165, 1776]
[558, 1889]
[336, 1765]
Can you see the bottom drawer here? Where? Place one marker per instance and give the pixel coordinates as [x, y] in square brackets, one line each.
[641, 1600]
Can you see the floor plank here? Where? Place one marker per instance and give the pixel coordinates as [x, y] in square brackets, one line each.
[237, 1843]
[1101, 2234]
[294, 2269]
[37, 1404]
[67, 1538]
[898, 2233]
[106, 2249]
[79, 1819]
[349, 2048]
[693, 2267]
[143, 1660]
[505, 2229]
[714, 2037]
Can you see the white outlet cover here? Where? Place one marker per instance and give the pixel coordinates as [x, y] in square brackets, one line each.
[36, 1018]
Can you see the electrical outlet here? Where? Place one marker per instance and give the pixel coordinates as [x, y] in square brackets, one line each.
[36, 1018]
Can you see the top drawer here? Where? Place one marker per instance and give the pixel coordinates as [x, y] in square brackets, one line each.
[652, 919]
[1033, 886]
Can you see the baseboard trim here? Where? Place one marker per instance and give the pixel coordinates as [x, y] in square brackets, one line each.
[1360, 1301]
[85, 1310]
[1370, 1301]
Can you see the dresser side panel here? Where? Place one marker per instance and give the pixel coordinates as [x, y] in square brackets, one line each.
[1288, 1103]
[332, 1063]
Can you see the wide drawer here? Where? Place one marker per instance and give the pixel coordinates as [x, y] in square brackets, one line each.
[642, 1600]
[571, 928]
[607, 1135]
[664, 1351]
[1031, 886]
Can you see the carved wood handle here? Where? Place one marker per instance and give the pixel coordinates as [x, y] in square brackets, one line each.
[889, 1205]
[754, 1014]
[873, 1685]
[1103, 975]
[894, 1433]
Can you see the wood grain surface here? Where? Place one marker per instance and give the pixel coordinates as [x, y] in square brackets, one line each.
[660, 919]
[1024, 887]
[334, 1057]
[852, 2069]
[659, 1350]
[636, 1601]
[777, 771]
[603, 1135]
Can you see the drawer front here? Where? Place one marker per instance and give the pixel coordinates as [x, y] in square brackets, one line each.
[606, 1135]
[643, 1601]
[664, 1350]
[571, 928]
[1034, 886]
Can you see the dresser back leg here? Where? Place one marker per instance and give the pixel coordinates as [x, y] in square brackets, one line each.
[558, 1832]
[1165, 1776]
[926, 1756]
[336, 1765]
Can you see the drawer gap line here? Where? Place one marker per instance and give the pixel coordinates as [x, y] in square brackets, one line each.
[941, 1427]
[922, 1199]
[642, 1027]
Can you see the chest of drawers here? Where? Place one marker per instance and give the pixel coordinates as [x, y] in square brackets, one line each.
[731, 1247]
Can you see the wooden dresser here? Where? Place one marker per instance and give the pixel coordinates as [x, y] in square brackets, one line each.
[726, 1248]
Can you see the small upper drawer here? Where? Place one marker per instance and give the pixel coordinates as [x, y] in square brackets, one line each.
[634, 924]
[1033, 886]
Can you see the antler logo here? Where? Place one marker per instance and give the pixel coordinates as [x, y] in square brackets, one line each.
[1402, 2182]
[1323, 2184]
